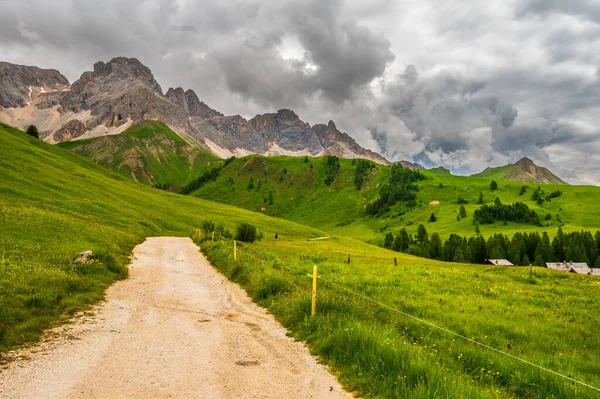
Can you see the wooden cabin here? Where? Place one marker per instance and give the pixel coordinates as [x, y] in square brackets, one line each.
[498, 262]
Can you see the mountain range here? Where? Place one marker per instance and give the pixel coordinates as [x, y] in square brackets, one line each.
[123, 92]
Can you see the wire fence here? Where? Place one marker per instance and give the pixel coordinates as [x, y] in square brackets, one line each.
[433, 325]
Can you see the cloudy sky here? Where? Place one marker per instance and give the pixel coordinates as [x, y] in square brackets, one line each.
[463, 84]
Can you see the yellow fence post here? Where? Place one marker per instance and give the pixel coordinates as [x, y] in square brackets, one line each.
[234, 250]
[314, 292]
[213, 237]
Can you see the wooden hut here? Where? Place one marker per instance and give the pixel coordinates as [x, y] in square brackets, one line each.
[498, 262]
[560, 266]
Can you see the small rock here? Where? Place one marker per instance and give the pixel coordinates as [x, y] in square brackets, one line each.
[84, 257]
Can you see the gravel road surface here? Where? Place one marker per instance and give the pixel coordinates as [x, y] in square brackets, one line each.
[175, 328]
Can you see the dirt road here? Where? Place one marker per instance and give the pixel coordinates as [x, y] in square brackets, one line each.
[175, 329]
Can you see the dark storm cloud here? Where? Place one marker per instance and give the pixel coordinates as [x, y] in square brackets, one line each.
[452, 83]
[442, 109]
[339, 56]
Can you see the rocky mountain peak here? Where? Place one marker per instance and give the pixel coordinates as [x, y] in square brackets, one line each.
[177, 96]
[411, 165]
[122, 92]
[287, 115]
[525, 162]
[120, 69]
[189, 101]
[524, 170]
[199, 108]
[19, 84]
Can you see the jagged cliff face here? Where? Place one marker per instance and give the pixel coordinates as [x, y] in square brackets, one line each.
[123, 92]
[20, 85]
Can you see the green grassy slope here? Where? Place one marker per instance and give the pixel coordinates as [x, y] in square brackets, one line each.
[301, 195]
[149, 153]
[54, 204]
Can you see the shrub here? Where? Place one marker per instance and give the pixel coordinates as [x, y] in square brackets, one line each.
[32, 130]
[493, 185]
[246, 233]
[460, 200]
[207, 226]
[221, 231]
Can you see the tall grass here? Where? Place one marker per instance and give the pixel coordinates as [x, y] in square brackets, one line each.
[380, 353]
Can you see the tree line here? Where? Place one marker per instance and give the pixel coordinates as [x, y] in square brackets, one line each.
[332, 168]
[522, 249]
[401, 187]
[362, 169]
[207, 176]
[516, 212]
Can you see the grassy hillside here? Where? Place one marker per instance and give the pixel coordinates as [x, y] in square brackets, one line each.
[149, 153]
[301, 195]
[54, 204]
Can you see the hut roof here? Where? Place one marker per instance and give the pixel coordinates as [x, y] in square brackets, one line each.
[595, 272]
[563, 267]
[498, 262]
[580, 268]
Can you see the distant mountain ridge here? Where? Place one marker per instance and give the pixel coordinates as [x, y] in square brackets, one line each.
[524, 170]
[123, 92]
[411, 165]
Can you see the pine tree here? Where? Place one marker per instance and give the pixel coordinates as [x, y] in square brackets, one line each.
[422, 235]
[432, 218]
[389, 241]
[558, 246]
[405, 240]
[480, 200]
[458, 256]
[462, 211]
[493, 185]
[435, 246]
[397, 246]
[539, 261]
[251, 184]
[523, 190]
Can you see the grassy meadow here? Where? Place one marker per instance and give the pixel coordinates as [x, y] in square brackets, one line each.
[551, 319]
[299, 194]
[55, 204]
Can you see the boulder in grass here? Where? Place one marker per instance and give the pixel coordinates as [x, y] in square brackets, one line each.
[84, 257]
